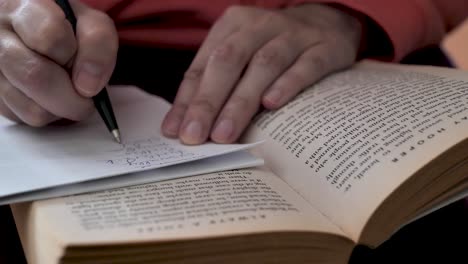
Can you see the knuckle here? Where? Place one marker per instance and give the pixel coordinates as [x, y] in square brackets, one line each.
[271, 57]
[179, 108]
[34, 74]
[239, 103]
[270, 18]
[25, 68]
[51, 36]
[8, 6]
[313, 32]
[228, 54]
[6, 91]
[9, 49]
[4, 6]
[203, 106]
[193, 74]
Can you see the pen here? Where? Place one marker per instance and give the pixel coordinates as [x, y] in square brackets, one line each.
[101, 100]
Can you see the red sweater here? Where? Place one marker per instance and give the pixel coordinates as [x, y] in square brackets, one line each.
[409, 24]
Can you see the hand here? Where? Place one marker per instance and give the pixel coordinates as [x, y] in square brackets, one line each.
[254, 57]
[36, 45]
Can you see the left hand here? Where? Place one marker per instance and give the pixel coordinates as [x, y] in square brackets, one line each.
[254, 57]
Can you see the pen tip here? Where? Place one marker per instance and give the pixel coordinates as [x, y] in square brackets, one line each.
[116, 135]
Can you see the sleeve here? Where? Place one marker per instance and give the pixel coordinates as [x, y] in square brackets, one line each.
[405, 25]
[393, 28]
[165, 24]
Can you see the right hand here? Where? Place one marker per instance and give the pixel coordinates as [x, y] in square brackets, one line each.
[37, 45]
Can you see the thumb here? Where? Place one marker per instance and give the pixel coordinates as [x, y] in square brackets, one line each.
[97, 49]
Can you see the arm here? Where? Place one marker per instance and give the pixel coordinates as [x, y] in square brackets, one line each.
[406, 25]
[265, 52]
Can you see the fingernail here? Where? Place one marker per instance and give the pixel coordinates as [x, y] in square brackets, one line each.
[192, 133]
[172, 126]
[89, 78]
[223, 130]
[274, 96]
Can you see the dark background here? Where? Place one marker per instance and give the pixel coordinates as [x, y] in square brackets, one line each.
[439, 237]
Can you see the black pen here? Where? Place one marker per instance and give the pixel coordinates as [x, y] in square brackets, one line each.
[101, 100]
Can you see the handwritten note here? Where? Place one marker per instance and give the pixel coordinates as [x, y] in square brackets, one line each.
[145, 153]
[33, 159]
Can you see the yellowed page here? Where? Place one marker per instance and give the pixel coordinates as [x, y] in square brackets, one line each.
[212, 205]
[32, 233]
[347, 142]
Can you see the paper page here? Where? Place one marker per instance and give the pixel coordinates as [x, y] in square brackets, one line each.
[211, 205]
[347, 142]
[452, 199]
[235, 160]
[33, 159]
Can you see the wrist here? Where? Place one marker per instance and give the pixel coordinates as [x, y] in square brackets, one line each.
[336, 19]
[361, 21]
[374, 41]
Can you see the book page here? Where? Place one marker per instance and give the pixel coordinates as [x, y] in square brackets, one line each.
[38, 158]
[347, 142]
[232, 202]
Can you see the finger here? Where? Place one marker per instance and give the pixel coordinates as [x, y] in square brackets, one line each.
[4, 109]
[97, 54]
[42, 27]
[6, 112]
[311, 66]
[192, 78]
[26, 109]
[19, 108]
[222, 72]
[265, 67]
[40, 79]
[230, 22]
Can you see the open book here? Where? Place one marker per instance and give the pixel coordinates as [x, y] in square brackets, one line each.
[350, 161]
